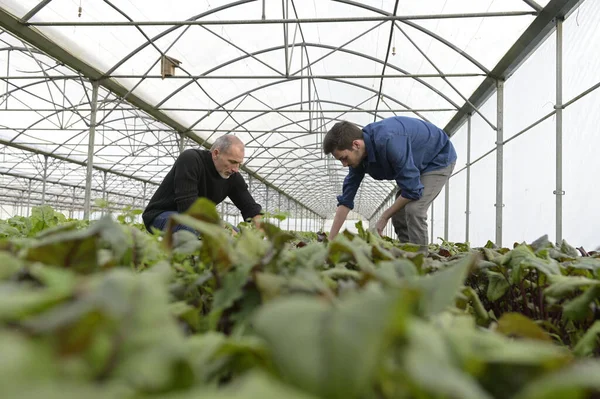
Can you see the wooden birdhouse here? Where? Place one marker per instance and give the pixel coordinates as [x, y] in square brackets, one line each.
[168, 65]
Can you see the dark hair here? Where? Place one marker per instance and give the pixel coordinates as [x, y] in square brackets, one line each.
[341, 136]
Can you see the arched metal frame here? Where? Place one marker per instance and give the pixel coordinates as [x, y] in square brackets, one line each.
[272, 165]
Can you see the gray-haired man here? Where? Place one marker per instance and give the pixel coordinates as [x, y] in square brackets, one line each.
[200, 173]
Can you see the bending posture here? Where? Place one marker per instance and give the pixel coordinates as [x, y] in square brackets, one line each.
[200, 173]
[418, 155]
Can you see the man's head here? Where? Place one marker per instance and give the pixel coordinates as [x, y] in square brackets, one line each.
[227, 154]
[345, 142]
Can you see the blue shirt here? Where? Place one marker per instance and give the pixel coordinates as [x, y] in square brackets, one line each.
[401, 149]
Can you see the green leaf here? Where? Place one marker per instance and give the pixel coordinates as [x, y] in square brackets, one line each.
[429, 363]
[18, 301]
[77, 250]
[329, 351]
[497, 286]
[216, 246]
[253, 385]
[522, 257]
[571, 382]
[563, 285]
[205, 210]
[568, 249]
[518, 325]
[579, 308]
[587, 263]
[481, 314]
[541, 243]
[439, 289]
[589, 342]
[9, 265]
[232, 289]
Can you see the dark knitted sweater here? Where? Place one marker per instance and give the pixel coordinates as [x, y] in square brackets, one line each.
[194, 175]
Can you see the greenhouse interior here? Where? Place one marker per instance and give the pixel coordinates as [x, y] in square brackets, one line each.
[100, 97]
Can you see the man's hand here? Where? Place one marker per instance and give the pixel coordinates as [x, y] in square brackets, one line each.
[256, 220]
[381, 223]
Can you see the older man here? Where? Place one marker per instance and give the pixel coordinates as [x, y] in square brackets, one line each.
[417, 155]
[201, 173]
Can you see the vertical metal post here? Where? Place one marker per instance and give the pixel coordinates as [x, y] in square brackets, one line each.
[181, 142]
[29, 198]
[432, 212]
[104, 194]
[267, 198]
[559, 125]
[447, 210]
[301, 80]
[285, 38]
[7, 74]
[264, 7]
[44, 178]
[310, 108]
[279, 208]
[499, 160]
[468, 210]
[90, 158]
[295, 216]
[144, 194]
[73, 204]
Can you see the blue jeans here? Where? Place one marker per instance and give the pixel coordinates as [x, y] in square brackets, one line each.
[160, 222]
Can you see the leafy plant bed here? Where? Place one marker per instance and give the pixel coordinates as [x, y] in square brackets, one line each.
[106, 310]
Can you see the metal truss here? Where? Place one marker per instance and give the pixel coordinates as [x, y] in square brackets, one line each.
[72, 131]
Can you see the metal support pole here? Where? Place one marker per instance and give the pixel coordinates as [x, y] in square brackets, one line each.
[267, 198]
[104, 194]
[279, 208]
[29, 198]
[447, 210]
[44, 178]
[285, 38]
[181, 143]
[90, 158]
[499, 160]
[144, 194]
[432, 212]
[559, 124]
[301, 79]
[73, 204]
[264, 7]
[468, 210]
[7, 80]
[295, 216]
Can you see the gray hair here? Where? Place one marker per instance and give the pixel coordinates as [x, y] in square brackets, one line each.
[224, 143]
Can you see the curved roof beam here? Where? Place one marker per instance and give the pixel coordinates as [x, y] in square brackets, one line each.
[295, 122]
[418, 27]
[366, 88]
[147, 145]
[172, 29]
[352, 52]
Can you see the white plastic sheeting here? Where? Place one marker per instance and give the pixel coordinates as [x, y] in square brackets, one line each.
[233, 75]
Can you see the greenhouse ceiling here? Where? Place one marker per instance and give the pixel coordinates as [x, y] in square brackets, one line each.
[276, 73]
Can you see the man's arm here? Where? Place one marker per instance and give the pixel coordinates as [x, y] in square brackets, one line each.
[243, 200]
[391, 211]
[340, 216]
[346, 200]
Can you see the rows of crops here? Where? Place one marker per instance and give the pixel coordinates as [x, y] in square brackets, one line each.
[108, 310]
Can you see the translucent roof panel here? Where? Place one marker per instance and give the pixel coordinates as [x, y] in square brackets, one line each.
[277, 74]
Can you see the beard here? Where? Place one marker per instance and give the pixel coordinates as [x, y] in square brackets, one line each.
[224, 176]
